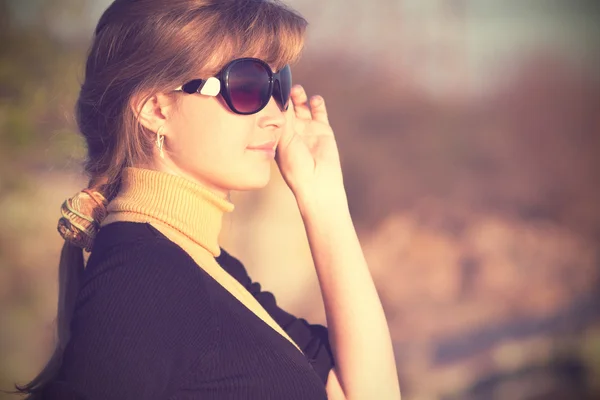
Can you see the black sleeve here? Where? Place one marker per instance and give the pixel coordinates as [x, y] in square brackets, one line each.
[313, 339]
[141, 321]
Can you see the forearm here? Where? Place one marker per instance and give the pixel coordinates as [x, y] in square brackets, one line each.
[358, 330]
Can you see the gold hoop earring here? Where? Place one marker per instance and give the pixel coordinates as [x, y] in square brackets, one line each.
[160, 140]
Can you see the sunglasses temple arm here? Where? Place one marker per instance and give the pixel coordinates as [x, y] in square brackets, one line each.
[209, 87]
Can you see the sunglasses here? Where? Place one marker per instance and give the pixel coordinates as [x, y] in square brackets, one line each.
[246, 85]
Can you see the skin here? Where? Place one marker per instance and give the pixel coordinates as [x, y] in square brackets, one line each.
[208, 143]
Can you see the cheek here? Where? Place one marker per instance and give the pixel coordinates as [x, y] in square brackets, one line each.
[208, 133]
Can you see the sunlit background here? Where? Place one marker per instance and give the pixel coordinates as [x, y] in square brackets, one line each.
[469, 132]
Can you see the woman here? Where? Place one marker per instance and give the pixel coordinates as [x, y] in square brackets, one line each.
[184, 101]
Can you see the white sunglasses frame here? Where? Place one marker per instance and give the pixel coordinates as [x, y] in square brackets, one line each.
[209, 87]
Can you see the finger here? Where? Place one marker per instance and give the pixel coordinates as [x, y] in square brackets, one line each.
[319, 111]
[300, 102]
[290, 123]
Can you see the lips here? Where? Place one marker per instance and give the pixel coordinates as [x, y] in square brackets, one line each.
[264, 146]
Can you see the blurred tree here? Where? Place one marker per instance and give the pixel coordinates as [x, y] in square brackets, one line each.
[38, 72]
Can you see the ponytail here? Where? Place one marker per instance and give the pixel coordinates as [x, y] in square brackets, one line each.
[82, 215]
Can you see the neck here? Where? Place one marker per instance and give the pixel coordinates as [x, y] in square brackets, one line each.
[185, 205]
[167, 166]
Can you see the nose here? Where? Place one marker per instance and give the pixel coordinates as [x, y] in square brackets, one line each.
[271, 117]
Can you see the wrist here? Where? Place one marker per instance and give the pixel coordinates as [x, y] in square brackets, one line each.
[324, 202]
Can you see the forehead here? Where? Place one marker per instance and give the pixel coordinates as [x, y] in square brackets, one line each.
[230, 54]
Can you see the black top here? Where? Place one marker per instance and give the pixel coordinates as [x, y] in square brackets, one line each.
[149, 323]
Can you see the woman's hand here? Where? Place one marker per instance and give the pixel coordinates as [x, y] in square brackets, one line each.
[307, 153]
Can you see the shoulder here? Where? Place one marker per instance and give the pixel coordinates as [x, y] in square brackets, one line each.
[130, 256]
[142, 302]
[124, 235]
[138, 277]
[134, 243]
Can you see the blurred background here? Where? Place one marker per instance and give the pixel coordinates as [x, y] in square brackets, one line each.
[469, 132]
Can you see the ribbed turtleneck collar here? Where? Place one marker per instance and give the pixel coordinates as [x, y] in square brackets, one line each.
[181, 203]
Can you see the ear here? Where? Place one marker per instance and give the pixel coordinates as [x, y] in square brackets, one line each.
[152, 111]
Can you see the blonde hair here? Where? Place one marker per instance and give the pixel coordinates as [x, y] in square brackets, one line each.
[141, 47]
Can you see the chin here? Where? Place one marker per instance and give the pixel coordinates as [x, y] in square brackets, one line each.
[255, 185]
[253, 182]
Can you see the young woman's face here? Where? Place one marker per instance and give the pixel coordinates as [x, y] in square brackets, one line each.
[212, 145]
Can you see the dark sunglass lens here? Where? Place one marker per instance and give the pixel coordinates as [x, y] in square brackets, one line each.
[248, 84]
[285, 86]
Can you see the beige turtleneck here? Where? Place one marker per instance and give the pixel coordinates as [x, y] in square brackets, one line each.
[189, 215]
